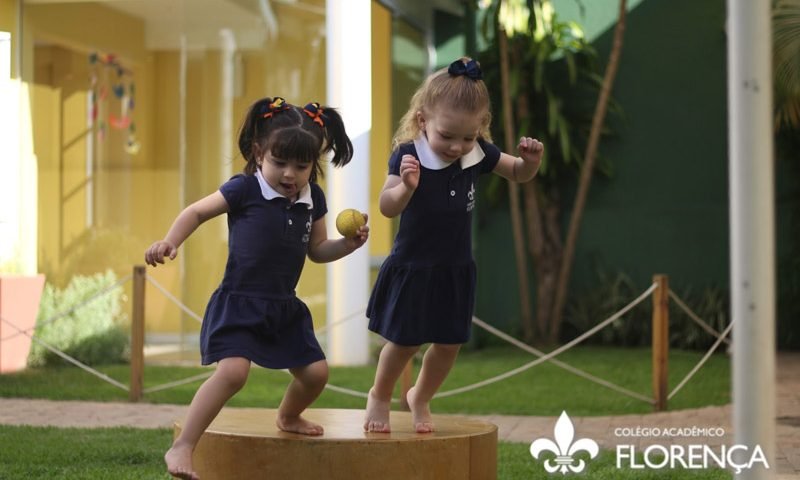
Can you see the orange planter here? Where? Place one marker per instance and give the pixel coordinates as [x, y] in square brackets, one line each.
[19, 305]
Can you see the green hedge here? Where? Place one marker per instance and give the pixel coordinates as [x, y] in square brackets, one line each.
[92, 333]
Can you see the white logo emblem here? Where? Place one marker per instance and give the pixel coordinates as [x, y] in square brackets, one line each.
[307, 235]
[564, 448]
[471, 197]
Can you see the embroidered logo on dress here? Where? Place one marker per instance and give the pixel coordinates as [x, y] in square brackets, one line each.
[307, 235]
[471, 197]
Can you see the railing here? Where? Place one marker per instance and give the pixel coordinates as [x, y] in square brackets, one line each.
[659, 290]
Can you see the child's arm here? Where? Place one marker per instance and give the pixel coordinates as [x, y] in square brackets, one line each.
[522, 168]
[321, 249]
[187, 222]
[397, 190]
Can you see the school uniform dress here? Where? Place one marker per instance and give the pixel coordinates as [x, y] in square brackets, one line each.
[255, 313]
[425, 290]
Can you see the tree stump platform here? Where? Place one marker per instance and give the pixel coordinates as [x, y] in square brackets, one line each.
[245, 443]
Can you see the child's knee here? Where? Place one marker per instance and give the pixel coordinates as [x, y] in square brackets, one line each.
[234, 373]
[321, 372]
[447, 348]
[395, 349]
[315, 375]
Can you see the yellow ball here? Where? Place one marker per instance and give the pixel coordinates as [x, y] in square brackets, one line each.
[349, 221]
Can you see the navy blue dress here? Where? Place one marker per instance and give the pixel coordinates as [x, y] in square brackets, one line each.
[425, 290]
[254, 313]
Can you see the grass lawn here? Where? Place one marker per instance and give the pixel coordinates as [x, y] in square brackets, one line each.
[127, 454]
[542, 390]
[123, 453]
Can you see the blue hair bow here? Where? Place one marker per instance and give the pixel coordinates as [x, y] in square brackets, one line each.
[470, 69]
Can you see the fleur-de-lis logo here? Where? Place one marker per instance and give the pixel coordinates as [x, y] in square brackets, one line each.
[564, 448]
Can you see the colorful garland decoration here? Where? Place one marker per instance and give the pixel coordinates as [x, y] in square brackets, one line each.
[122, 87]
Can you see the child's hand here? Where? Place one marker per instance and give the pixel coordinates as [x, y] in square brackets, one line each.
[409, 171]
[362, 234]
[157, 251]
[531, 151]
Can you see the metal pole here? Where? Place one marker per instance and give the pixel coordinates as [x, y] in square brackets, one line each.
[752, 226]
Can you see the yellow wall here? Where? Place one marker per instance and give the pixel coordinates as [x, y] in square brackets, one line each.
[8, 23]
[381, 234]
[135, 198]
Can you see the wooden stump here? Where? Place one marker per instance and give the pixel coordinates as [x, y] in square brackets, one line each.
[244, 443]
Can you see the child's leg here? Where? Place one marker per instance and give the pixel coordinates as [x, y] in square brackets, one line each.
[304, 388]
[229, 377]
[436, 365]
[392, 361]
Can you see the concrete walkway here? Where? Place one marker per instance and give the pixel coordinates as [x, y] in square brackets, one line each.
[608, 431]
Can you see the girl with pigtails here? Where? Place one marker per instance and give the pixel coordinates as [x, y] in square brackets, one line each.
[276, 217]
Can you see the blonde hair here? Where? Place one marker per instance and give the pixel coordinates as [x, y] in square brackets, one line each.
[457, 92]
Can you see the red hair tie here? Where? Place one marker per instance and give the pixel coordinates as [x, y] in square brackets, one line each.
[314, 110]
[278, 104]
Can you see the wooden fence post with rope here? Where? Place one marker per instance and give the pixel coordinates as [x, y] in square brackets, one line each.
[137, 335]
[660, 341]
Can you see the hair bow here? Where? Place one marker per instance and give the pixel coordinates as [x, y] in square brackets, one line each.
[278, 104]
[314, 110]
[470, 69]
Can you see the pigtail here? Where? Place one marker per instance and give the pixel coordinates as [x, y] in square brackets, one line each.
[251, 131]
[264, 117]
[290, 132]
[336, 139]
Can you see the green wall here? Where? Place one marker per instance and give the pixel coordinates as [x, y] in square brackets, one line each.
[666, 209]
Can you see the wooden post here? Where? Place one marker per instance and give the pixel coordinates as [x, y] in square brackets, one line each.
[137, 335]
[405, 385]
[660, 341]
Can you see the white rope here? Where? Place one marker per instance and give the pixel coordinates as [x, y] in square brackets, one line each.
[542, 357]
[174, 299]
[348, 391]
[346, 318]
[705, 326]
[72, 309]
[197, 317]
[344, 390]
[702, 361]
[71, 360]
[559, 363]
[178, 383]
[552, 354]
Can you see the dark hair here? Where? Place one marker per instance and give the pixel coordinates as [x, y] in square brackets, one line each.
[293, 133]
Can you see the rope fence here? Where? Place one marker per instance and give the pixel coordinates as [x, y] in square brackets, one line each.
[658, 290]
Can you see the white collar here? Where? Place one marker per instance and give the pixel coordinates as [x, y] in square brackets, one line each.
[270, 193]
[430, 160]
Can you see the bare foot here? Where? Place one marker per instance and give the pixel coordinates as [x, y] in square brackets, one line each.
[299, 425]
[179, 463]
[377, 416]
[420, 412]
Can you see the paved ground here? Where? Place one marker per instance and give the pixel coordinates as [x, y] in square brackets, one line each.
[606, 431]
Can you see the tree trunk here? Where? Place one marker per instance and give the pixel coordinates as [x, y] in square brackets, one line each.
[513, 196]
[542, 217]
[587, 170]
